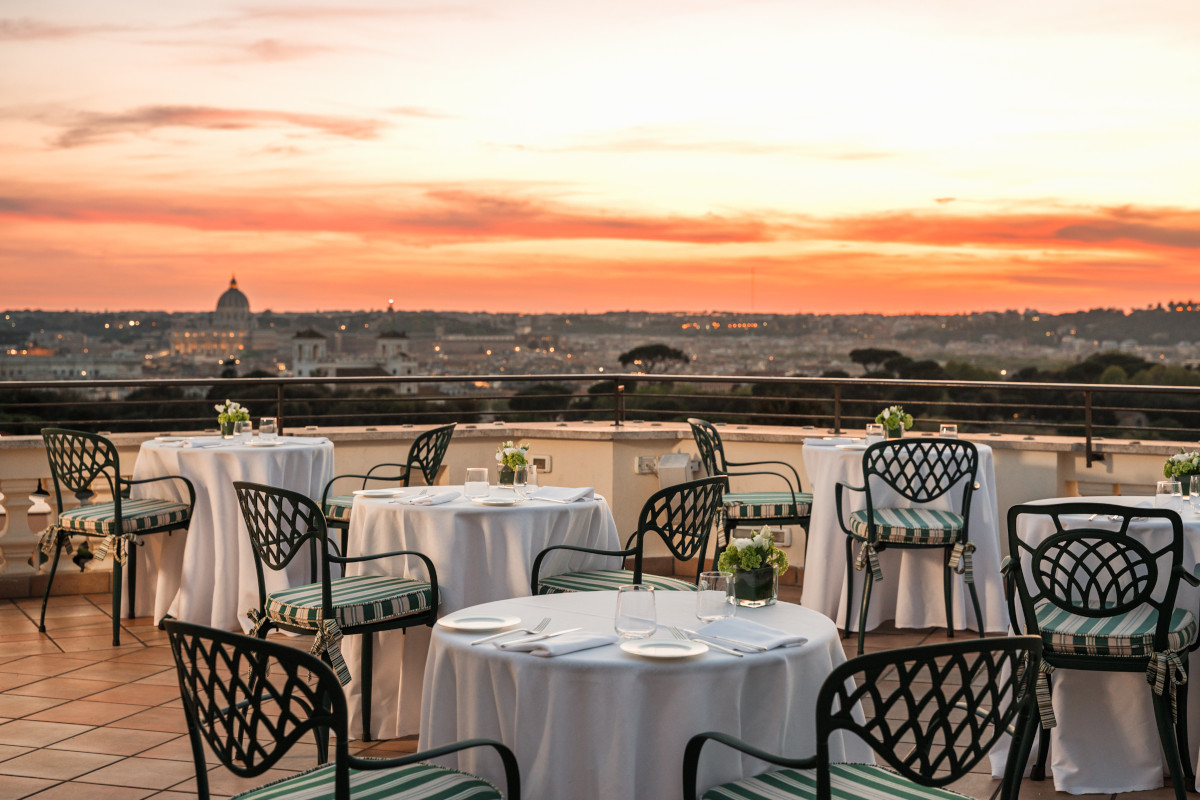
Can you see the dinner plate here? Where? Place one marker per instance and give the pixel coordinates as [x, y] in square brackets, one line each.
[497, 501]
[479, 623]
[261, 443]
[393, 492]
[171, 438]
[851, 447]
[664, 648]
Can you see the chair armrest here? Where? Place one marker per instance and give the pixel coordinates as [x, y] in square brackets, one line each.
[1188, 575]
[191, 490]
[837, 496]
[537, 562]
[405, 472]
[691, 757]
[512, 774]
[798, 487]
[791, 489]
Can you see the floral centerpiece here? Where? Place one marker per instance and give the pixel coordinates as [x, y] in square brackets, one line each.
[756, 564]
[510, 456]
[228, 413]
[895, 421]
[1181, 467]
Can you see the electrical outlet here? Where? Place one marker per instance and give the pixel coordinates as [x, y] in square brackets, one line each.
[647, 465]
[544, 464]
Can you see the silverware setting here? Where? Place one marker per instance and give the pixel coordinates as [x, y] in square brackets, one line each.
[537, 638]
[679, 634]
[409, 497]
[541, 626]
[706, 636]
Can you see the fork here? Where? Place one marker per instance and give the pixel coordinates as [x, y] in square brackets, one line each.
[678, 634]
[541, 626]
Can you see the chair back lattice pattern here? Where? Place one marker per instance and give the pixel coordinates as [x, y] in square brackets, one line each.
[921, 470]
[1095, 570]
[251, 699]
[683, 515]
[712, 451]
[428, 450]
[933, 712]
[77, 459]
[280, 522]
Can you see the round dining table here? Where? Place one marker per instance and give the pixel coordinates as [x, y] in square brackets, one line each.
[481, 553]
[207, 574]
[1106, 740]
[604, 723]
[911, 591]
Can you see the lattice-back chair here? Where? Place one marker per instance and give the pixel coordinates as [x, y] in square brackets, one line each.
[1103, 598]
[788, 507]
[424, 456]
[920, 472]
[682, 515]
[931, 714]
[252, 700]
[77, 461]
[282, 524]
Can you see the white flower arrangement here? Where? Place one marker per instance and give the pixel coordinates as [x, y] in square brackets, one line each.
[893, 417]
[1182, 464]
[512, 455]
[230, 411]
[753, 553]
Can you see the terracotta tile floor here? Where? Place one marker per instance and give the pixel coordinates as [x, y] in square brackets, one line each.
[82, 720]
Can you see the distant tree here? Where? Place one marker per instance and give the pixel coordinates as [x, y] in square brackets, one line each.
[1113, 374]
[541, 397]
[653, 357]
[872, 357]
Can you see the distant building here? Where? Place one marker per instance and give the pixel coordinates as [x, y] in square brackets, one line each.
[310, 359]
[229, 335]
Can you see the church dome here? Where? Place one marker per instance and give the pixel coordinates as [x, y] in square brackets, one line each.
[233, 308]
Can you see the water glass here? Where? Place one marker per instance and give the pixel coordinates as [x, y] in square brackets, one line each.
[520, 478]
[1194, 493]
[949, 431]
[267, 428]
[243, 429]
[715, 599]
[874, 432]
[531, 480]
[476, 484]
[1169, 494]
[635, 617]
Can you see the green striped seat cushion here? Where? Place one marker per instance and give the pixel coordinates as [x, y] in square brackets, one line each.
[410, 782]
[337, 508]
[861, 781]
[767, 505]
[605, 580]
[1130, 634]
[356, 600]
[910, 525]
[136, 515]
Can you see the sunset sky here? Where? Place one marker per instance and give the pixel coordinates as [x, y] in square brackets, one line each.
[560, 156]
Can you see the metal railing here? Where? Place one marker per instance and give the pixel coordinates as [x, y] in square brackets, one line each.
[1090, 411]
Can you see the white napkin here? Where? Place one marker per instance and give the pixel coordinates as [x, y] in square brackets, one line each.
[208, 442]
[828, 441]
[560, 645]
[429, 499]
[562, 494]
[744, 630]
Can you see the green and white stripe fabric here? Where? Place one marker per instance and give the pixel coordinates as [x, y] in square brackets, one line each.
[1130, 634]
[411, 782]
[859, 781]
[356, 600]
[136, 515]
[337, 508]
[767, 505]
[607, 580]
[910, 525]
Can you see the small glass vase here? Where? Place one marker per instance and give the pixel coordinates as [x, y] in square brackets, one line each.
[895, 433]
[227, 429]
[507, 475]
[754, 588]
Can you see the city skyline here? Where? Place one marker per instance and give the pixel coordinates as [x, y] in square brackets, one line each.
[559, 157]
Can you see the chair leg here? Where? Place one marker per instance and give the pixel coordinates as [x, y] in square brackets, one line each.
[975, 604]
[58, 544]
[1181, 735]
[849, 584]
[116, 601]
[1162, 716]
[367, 662]
[947, 589]
[131, 562]
[1039, 767]
[868, 584]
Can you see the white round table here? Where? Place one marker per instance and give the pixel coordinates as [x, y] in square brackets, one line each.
[911, 591]
[603, 723]
[481, 553]
[207, 574]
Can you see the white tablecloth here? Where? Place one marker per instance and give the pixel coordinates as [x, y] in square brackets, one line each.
[602, 723]
[1106, 740]
[481, 554]
[911, 590]
[207, 574]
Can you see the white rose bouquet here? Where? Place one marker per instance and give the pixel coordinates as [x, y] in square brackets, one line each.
[1182, 465]
[512, 455]
[230, 411]
[753, 553]
[893, 417]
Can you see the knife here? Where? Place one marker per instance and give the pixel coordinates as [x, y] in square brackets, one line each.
[756, 647]
[538, 638]
[699, 638]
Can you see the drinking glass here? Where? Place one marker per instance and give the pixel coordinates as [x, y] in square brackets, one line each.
[267, 428]
[715, 600]
[476, 484]
[1169, 495]
[520, 478]
[635, 617]
[949, 431]
[531, 480]
[243, 429]
[874, 432]
[1194, 493]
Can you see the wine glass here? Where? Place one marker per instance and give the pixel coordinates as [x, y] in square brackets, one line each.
[1194, 493]
[714, 598]
[635, 616]
[874, 432]
[531, 480]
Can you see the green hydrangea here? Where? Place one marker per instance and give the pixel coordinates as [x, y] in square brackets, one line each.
[752, 553]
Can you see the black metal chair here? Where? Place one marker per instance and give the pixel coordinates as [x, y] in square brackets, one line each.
[754, 509]
[424, 455]
[79, 459]
[281, 523]
[682, 516]
[920, 471]
[252, 700]
[1103, 599]
[931, 714]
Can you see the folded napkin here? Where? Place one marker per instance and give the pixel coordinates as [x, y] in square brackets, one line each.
[560, 645]
[429, 499]
[727, 631]
[207, 442]
[828, 441]
[562, 494]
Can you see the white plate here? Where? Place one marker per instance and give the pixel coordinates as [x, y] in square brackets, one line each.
[497, 501]
[171, 438]
[479, 623]
[851, 447]
[393, 492]
[664, 648]
[261, 443]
